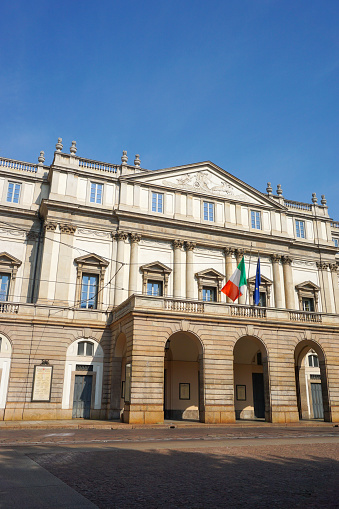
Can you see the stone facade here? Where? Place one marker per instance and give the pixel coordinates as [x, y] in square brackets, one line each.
[110, 300]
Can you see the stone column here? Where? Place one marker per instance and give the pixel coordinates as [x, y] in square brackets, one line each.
[278, 298]
[118, 281]
[288, 282]
[189, 270]
[229, 251]
[324, 287]
[65, 266]
[239, 253]
[177, 246]
[134, 267]
[46, 268]
[334, 272]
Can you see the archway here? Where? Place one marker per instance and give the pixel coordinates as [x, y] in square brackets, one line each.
[119, 391]
[183, 393]
[251, 383]
[5, 365]
[82, 389]
[311, 381]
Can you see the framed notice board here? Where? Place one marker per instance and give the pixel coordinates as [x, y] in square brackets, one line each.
[42, 383]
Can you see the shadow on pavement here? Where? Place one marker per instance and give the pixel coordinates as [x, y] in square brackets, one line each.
[292, 476]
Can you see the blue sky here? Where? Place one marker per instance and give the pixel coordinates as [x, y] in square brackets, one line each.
[251, 85]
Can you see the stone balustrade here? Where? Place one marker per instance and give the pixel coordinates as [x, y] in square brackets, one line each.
[18, 165]
[97, 165]
[297, 205]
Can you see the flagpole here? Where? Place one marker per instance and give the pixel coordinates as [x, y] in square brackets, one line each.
[248, 276]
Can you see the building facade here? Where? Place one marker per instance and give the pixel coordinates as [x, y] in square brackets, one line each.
[111, 305]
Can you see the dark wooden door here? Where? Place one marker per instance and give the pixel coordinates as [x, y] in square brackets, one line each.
[82, 396]
[258, 395]
[317, 401]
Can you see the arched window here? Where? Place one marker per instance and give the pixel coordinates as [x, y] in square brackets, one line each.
[85, 348]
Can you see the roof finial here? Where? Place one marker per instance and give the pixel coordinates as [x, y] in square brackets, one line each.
[323, 200]
[41, 158]
[279, 191]
[269, 189]
[137, 161]
[124, 157]
[59, 146]
[73, 148]
[314, 198]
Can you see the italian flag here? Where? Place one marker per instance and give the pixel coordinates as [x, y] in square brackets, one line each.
[237, 283]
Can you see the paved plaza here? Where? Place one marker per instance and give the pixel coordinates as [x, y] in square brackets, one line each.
[170, 466]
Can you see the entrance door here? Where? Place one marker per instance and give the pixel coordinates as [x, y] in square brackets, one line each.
[317, 401]
[258, 395]
[82, 396]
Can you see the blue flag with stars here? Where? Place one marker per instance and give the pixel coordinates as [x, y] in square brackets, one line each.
[256, 294]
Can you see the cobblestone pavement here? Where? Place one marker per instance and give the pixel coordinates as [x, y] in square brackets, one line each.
[192, 467]
[171, 432]
[265, 476]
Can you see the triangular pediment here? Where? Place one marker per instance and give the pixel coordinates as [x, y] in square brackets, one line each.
[264, 280]
[9, 260]
[206, 179]
[209, 274]
[156, 267]
[307, 285]
[92, 259]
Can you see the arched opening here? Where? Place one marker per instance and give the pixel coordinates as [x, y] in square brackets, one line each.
[311, 381]
[251, 382]
[183, 393]
[5, 365]
[82, 389]
[119, 390]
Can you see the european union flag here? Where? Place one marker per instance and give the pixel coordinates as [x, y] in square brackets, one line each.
[256, 294]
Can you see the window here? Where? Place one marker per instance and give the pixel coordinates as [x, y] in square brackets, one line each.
[89, 291]
[262, 299]
[96, 193]
[13, 193]
[336, 242]
[154, 288]
[85, 348]
[308, 304]
[256, 219]
[208, 211]
[313, 361]
[209, 294]
[300, 229]
[4, 286]
[157, 202]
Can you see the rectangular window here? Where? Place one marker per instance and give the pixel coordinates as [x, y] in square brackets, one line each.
[13, 192]
[4, 286]
[262, 299]
[300, 228]
[157, 202]
[96, 193]
[308, 304]
[335, 242]
[209, 294]
[154, 288]
[313, 361]
[208, 211]
[256, 219]
[89, 291]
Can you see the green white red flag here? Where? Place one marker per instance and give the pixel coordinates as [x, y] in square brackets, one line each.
[237, 283]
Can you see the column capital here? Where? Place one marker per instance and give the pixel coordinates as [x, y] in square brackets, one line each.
[135, 237]
[68, 228]
[177, 243]
[239, 252]
[121, 236]
[286, 260]
[50, 226]
[333, 267]
[229, 251]
[190, 245]
[275, 258]
[322, 265]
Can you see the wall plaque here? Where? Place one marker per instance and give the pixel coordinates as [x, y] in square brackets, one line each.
[184, 391]
[42, 383]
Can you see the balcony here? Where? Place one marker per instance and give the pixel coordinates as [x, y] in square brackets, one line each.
[222, 310]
